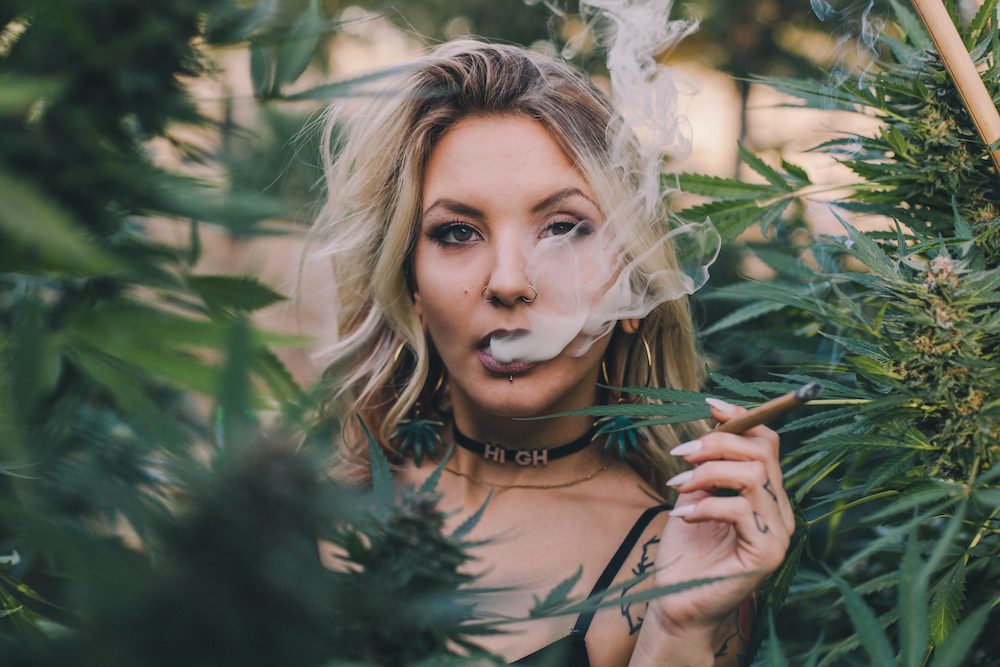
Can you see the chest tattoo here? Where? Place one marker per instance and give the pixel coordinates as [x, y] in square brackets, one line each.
[644, 564]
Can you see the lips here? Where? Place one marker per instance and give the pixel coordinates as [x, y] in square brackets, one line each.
[494, 366]
[512, 368]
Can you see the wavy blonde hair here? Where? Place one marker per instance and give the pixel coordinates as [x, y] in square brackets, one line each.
[374, 157]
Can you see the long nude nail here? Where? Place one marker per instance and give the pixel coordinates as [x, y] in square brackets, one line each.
[681, 479]
[686, 510]
[722, 406]
[686, 448]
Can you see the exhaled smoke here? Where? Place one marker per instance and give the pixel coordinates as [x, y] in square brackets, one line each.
[591, 278]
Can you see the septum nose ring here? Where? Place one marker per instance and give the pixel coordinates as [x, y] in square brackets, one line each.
[534, 295]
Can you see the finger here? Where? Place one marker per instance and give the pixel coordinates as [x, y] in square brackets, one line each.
[729, 446]
[750, 478]
[767, 541]
[732, 447]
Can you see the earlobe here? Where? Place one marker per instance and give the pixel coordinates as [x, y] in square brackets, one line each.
[630, 326]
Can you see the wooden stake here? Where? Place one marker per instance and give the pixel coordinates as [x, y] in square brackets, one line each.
[963, 72]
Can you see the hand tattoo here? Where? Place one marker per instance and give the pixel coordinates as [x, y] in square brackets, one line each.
[767, 487]
[645, 562]
[761, 526]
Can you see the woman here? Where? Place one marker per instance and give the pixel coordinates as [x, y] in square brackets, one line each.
[477, 206]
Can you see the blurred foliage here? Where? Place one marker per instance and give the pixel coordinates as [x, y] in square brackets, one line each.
[138, 526]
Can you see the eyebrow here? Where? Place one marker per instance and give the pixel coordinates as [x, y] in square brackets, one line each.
[459, 208]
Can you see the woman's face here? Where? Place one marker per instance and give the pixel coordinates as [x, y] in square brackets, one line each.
[495, 188]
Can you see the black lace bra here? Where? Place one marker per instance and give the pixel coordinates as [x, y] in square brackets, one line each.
[571, 650]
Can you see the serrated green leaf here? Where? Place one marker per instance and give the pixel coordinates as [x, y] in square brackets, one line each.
[723, 188]
[979, 22]
[962, 639]
[743, 314]
[473, 519]
[557, 596]
[233, 293]
[869, 253]
[430, 484]
[797, 172]
[947, 603]
[863, 348]
[762, 168]
[737, 387]
[824, 418]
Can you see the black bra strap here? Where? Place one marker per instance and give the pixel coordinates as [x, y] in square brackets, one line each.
[615, 564]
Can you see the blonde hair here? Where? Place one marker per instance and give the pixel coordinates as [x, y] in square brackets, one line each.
[374, 162]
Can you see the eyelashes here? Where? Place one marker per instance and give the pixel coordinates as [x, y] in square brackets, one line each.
[455, 233]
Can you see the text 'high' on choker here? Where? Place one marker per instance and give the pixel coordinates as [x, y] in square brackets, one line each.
[522, 457]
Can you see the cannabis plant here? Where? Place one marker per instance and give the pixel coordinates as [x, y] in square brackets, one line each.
[902, 326]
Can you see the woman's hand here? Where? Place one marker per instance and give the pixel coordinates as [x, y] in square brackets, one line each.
[743, 536]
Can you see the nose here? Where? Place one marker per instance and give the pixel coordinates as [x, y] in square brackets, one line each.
[508, 283]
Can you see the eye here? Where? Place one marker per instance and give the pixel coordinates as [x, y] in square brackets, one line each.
[562, 227]
[454, 233]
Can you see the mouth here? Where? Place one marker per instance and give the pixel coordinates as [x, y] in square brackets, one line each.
[502, 368]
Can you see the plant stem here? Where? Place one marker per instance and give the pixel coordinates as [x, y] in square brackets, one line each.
[855, 503]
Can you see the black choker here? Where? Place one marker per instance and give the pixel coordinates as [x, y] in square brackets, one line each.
[522, 457]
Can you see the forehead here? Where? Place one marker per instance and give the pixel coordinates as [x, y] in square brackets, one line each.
[499, 157]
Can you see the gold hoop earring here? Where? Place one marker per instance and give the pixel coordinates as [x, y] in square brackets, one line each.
[622, 434]
[649, 353]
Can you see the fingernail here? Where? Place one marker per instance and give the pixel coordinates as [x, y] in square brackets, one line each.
[722, 406]
[685, 510]
[686, 448]
[681, 479]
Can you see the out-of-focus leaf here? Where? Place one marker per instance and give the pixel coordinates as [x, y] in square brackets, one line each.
[298, 47]
[912, 26]
[557, 596]
[346, 87]
[743, 314]
[17, 94]
[34, 223]
[382, 486]
[466, 526]
[233, 293]
[261, 70]
[912, 606]
[870, 632]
